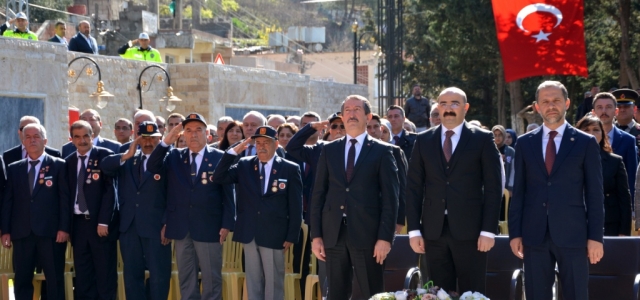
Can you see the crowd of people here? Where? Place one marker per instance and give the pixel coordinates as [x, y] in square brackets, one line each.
[355, 178]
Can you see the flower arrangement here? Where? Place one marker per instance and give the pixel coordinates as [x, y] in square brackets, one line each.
[429, 292]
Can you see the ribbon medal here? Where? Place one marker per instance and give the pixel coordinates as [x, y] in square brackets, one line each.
[204, 177]
[274, 188]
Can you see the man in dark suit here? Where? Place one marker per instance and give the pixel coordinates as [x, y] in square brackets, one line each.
[200, 213]
[35, 215]
[83, 41]
[454, 188]
[93, 118]
[19, 152]
[61, 32]
[143, 203]
[140, 116]
[354, 205]
[269, 201]
[400, 137]
[556, 210]
[623, 144]
[94, 227]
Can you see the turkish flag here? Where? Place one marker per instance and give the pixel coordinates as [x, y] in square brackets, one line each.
[541, 37]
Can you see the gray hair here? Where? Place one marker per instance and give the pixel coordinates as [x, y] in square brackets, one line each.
[80, 124]
[311, 114]
[532, 126]
[225, 119]
[411, 124]
[257, 115]
[454, 90]
[365, 103]
[93, 112]
[555, 84]
[41, 129]
[30, 118]
[144, 112]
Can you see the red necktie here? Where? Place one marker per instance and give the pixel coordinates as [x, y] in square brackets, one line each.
[351, 159]
[448, 146]
[550, 156]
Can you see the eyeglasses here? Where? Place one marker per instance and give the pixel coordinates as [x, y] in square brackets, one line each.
[435, 115]
[452, 105]
[335, 126]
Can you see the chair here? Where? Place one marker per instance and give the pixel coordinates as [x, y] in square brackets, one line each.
[617, 275]
[504, 225]
[120, 270]
[232, 274]
[504, 271]
[312, 285]
[6, 270]
[291, 279]
[174, 283]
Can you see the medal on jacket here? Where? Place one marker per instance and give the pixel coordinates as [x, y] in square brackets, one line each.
[274, 186]
[41, 181]
[204, 177]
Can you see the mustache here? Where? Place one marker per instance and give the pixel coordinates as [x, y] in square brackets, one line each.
[449, 113]
[604, 115]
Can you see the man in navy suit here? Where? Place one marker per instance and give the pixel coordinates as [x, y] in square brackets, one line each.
[556, 213]
[83, 41]
[19, 152]
[623, 144]
[94, 119]
[61, 32]
[35, 215]
[143, 202]
[269, 201]
[94, 226]
[400, 137]
[200, 213]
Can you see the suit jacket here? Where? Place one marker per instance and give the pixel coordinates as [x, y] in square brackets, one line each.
[469, 187]
[114, 146]
[271, 218]
[624, 145]
[200, 209]
[141, 201]
[308, 154]
[79, 44]
[370, 200]
[99, 191]
[55, 39]
[406, 142]
[401, 163]
[46, 211]
[15, 154]
[569, 202]
[617, 199]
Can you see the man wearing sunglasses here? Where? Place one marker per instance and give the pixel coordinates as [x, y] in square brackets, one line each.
[336, 128]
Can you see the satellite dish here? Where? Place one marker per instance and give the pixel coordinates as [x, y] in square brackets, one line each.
[318, 47]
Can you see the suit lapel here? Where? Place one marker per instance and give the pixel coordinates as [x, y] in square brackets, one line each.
[617, 138]
[186, 165]
[536, 144]
[566, 144]
[341, 159]
[273, 176]
[436, 140]
[43, 168]
[137, 159]
[72, 167]
[255, 178]
[366, 147]
[465, 136]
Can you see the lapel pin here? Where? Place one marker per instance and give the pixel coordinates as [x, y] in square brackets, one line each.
[49, 183]
[572, 139]
[255, 168]
[41, 181]
[185, 161]
[206, 159]
[210, 165]
[274, 171]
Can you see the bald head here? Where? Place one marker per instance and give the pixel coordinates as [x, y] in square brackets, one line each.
[456, 91]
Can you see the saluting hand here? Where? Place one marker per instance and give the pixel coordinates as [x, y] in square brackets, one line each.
[242, 146]
[320, 125]
[173, 135]
[132, 149]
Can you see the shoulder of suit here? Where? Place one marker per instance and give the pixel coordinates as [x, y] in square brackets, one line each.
[11, 149]
[102, 150]
[287, 162]
[614, 156]
[214, 150]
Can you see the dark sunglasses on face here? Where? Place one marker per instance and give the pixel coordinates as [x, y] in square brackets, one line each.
[335, 126]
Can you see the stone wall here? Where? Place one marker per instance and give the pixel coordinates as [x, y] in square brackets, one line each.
[39, 70]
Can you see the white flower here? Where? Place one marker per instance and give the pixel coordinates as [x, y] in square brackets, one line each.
[479, 296]
[442, 295]
[466, 296]
[401, 295]
[421, 291]
[382, 296]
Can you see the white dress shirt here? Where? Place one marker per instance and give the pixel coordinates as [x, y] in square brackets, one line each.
[64, 41]
[610, 134]
[358, 146]
[455, 138]
[41, 159]
[24, 152]
[198, 158]
[557, 139]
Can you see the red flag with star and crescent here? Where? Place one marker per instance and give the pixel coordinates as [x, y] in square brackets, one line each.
[541, 37]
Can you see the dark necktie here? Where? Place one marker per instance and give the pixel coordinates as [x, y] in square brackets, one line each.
[250, 150]
[32, 174]
[396, 139]
[351, 159]
[263, 179]
[82, 202]
[194, 168]
[623, 127]
[141, 170]
[448, 146]
[550, 156]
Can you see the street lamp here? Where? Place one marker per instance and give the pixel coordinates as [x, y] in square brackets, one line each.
[354, 28]
[100, 94]
[171, 99]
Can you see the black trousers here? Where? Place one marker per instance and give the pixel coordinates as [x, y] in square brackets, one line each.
[95, 260]
[456, 265]
[539, 271]
[345, 260]
[34, 248]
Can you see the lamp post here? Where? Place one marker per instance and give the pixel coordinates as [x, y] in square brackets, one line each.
[354, 28]
[171, 99]
[100, 94]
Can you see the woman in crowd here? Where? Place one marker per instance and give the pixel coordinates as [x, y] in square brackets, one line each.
[285, 132]
[617, 198]
[181, 142]
[510, 139]
[232, 134]
[508, 154]
[385, 126]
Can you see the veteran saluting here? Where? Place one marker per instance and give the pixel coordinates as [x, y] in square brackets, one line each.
[269, 201]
